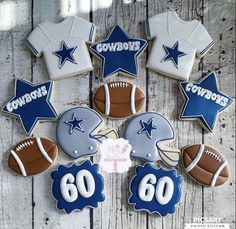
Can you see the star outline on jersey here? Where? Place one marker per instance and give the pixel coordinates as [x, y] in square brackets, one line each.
[75, 124]
[65, 54]
[173, 54]
[147, 127]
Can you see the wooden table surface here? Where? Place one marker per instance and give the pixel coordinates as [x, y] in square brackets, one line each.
[27, 202]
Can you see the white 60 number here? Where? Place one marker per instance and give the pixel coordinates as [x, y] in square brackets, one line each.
[70, 191]
[164, 189]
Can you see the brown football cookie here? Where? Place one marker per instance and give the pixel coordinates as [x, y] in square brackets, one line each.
[205, 165]
[32, 156]
[118, 99]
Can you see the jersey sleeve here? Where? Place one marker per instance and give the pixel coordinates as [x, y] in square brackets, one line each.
[201, 40]
[84, 30]
[37, 41]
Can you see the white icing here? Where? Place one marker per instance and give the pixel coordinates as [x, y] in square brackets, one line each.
[217, 173]
[132, 100]
[68, 190]
[80, 183]
[107, 96]
[43, 151]
[146, 191]
[118, 84]
[24, 144]
[161, 197]
[19, 162]
[196, 159]
[118, 46]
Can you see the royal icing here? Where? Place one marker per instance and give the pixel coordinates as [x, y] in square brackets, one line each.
[119, 53]
[155, 190]
[63, 46]
[77, 186]
[77, 132]
[31, 103]
[203, 101]
[115, 155]
[176, 44]
[146, 133]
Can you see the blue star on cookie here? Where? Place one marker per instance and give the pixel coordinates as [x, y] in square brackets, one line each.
[119, 53]
[147, 127]
[31, 103]
[65, 54]
[204, 101]
[77, 186]
[173, 54]
[155, 190]
[75, 123]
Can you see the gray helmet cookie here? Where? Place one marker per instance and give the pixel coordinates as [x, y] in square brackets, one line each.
[74, 131]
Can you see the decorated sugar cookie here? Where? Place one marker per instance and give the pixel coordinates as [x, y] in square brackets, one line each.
[176, 44]
[119, 53]
[205, 165]
[31, 103]
[63, 46]
[32, 156]
[203, 101]
[77, 186]
[147, 133]
[155, 190]
[115, 155]
[78, 132]
[118, 99]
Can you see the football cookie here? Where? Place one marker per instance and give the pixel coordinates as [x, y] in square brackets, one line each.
[32, 156]
[115, 155]
[119, 53]
[63, 46]
[119, 99]
[203, 101]
[155, 190]
[78, 132]
[176, 44]
[31, 103]
[205, 165]
[147, 134]
[77, 186]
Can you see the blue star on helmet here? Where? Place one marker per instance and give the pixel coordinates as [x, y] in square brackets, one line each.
[147, 127]
[204, 101]
[173, 54]
[65, 54]
[119, 53]
[75, 123]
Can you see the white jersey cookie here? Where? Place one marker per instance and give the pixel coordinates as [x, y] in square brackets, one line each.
[63, 46]
[176, 44]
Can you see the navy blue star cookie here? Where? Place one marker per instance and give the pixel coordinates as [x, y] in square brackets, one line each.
[119, 53]
[155, 190]
[65, 54]
[203, 101]
[173, 54]
[31, 103]
[77, 186]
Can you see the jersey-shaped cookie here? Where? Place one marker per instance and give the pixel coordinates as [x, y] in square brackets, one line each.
[147, 133]
[63, 46]
[176, 44]
[76, 130]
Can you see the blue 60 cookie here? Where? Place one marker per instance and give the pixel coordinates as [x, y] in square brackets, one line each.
[76, 131]
[119, 53]
[155, 190]
[77, 186]
[147, 133]
[31, 103]
[203, 101]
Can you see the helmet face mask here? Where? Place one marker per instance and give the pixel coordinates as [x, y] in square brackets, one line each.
[146, 133]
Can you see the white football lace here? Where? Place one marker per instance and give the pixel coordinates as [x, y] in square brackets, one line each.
[211, 154]
[119, 84]
[24, 144]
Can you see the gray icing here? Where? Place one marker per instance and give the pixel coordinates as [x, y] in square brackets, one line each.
[74, 131]
[145, 132]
